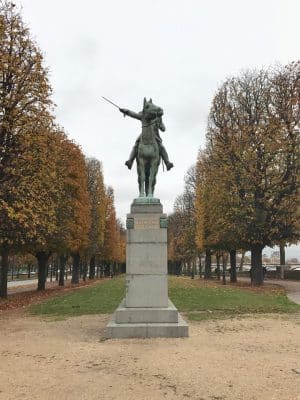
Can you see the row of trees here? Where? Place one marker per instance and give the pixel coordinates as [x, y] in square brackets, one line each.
[246, 180]
[182, 248]
[52, 199]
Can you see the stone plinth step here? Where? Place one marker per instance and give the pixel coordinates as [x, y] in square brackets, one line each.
[147, 330]
[129, 315]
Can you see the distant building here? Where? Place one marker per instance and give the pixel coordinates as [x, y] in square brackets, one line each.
[275, 254]
[275, 257]
[293, 261]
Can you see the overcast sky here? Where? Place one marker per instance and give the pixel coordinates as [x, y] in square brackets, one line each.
[177, 52]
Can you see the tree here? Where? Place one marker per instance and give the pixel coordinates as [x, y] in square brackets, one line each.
[213, 228]
[257, 146]
[75, 204]
[121, 256]
[67, 181]
[202, 212]
[24, 111]
[111, 247]
[181, 228]
[98, 207]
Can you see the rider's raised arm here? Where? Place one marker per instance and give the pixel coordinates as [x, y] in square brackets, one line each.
[131, 114]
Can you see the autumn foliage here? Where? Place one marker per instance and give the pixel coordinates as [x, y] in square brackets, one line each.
[53, 201]
[248, 175]
[245, 194]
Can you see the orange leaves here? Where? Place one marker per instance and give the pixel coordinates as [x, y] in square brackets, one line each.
[50, 201]
[181, 226]
[106, 235]
[97, 195]
[110, 245]
[24, 122]
[249, 173]
[73, 201]
[43, 191]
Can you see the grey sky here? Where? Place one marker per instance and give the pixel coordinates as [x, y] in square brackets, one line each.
[177, 52]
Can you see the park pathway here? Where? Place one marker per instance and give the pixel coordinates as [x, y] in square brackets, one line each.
[25, 282]
[292, 288]
[27, 285]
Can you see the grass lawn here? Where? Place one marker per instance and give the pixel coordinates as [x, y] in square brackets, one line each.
[97, 299]
[197, 298]
[209, 299]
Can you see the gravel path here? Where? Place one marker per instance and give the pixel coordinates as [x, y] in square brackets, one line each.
[237, 359]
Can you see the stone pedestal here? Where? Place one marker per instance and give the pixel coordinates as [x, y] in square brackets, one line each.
[146, 310]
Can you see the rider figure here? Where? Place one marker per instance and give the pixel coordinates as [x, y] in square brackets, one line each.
[157, 125]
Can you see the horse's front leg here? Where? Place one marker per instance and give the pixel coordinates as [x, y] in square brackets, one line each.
[141, 177]
[152, 175]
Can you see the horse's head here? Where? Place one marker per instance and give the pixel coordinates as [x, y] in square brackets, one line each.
[151, 111]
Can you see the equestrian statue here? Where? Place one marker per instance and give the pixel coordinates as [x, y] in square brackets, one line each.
[148, 149]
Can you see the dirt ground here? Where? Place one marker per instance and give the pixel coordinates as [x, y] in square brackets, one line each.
[248, 358]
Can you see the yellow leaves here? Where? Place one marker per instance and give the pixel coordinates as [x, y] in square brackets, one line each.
[246, 188]
[97, 195]
[73, 202]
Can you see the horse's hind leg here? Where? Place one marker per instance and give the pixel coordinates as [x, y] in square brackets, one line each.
[147, 174]
[155, 166]
[139, 175]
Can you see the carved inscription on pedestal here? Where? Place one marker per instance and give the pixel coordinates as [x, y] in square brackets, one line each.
[146, 222]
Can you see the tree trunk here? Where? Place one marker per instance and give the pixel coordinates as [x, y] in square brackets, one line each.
[193, 270]
[256, 271]
[62, 269]
[92, 267]
[189, 270]
[282, 253]
[224, 262]
[28, 270]
[4, 271]
[56, 268]
[42, 258]
[218, 257]
[233, 277]
[12, 272]
[75, 269]
[242, 260]
[207, 267]
[200, 267]
[51, 269]
[178, 268]
[84, 269]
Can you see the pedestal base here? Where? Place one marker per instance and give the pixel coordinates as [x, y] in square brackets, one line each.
[130, 322]
[146, 311]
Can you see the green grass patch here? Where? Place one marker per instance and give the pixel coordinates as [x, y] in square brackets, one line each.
[97, 299]
[195, 298]
[202, 302]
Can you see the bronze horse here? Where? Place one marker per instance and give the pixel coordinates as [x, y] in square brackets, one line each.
[148, 158]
